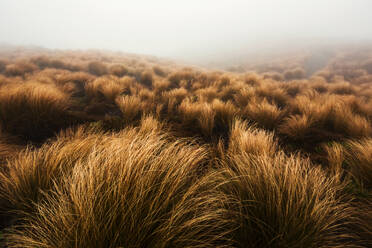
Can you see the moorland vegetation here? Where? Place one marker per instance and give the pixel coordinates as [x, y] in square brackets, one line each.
[102, 149]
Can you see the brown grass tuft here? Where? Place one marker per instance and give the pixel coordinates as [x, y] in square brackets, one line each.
[147, 79]
[19, 69]
[197, 115]
[297, 73]
[130, 107]
[284, 201]
[33, 110]
[247, 139]
[97, 68]
[359, 161]
[118, 70]
[263, 113]
[159, 71]
[132, 189]
[107, 87]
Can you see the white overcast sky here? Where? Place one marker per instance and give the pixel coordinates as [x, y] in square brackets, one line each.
[180, 27]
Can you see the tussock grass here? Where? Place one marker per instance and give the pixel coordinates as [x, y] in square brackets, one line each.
[263, 113]
[324, 119]
[146, 78]
[247, 139]
[282, 201]
[109, 88]
[19, 69]
[159, 71]
[132, 189]
[296, 73]
[353, 159]
[276, 154]
[359, 158]
[197, 115]
[34, 171]
[33, 110]
[118, 70]
[130, 107]
[97, 68]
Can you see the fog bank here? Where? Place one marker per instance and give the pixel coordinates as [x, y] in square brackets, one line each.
[192, 30]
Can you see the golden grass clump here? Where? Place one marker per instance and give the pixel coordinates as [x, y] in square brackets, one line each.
[250, 140]
[130, 107]
[225, 114]
[32, 110]
[97, 68]
[41, 61]
[297, 127]
[252, 79]
[172, 99]
[34, 172]
[294, 88]
[273, 75]
[177, 94]
[44, 62]
[159, 71]
[335, 157]
[207, 94]
[244, 96]
[161, 85]
[211, 120]
[320, 86]
[323, 118]
[358, 156]
[107, 87]
[146, 78]
[19, 69]
[185, 75]
[282, 201]
[79, 78]
[342, 88]
[132, 189]
[273, 94]
[5, 80]
[297, 73]
[197, 116]
[263, 113]
[118, 70]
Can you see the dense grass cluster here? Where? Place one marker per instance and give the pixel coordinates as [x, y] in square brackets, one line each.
[117, 150]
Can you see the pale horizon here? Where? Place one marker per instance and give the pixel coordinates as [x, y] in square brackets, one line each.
[188, 30]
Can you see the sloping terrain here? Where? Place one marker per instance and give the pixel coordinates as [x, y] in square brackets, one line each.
[103, 149]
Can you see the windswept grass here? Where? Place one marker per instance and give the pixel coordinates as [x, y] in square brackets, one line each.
[136, 188]
[33, 110]
[112, 150]
[282, 201]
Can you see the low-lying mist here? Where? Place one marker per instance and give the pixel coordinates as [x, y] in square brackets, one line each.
[200, 32]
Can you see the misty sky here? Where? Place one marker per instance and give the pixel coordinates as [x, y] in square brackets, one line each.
[181, 28]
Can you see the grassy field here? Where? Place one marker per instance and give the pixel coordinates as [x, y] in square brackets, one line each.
[101, 149]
